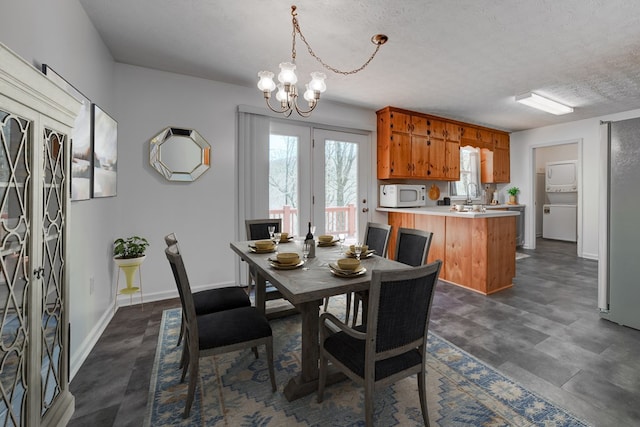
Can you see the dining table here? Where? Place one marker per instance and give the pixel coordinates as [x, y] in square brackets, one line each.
[305, 287]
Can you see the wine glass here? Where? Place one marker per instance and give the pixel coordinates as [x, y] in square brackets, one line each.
[272, 229]
[276, 240]
[306, 248]
[341, 237]
[357, 249]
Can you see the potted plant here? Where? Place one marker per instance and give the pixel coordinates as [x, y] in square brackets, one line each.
[129, 254]
[513, 193]
[130, 247]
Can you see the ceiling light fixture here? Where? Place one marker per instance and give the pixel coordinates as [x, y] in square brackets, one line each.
[541, 103]
[287, 92]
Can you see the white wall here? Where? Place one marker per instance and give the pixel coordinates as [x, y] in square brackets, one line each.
[555, 153]
[589, 132]
[201, 213]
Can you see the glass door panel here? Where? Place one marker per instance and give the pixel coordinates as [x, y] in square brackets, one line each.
[53, 223]
[341, 177]
[324, 182]
[289, 194]
[15, 136]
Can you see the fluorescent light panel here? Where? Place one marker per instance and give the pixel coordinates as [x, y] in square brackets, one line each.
[541, 103]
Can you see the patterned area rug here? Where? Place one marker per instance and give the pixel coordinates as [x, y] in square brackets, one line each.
[234, 390]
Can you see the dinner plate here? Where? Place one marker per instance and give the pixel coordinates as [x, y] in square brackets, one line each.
[287, 240]
[261, 251]
[346, 273]
[278, 266]
[366, 254]
[323, 244]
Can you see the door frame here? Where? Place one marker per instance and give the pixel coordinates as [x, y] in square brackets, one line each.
[311, 174]
[530, 237]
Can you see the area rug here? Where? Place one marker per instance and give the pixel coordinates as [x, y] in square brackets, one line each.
[234, 390]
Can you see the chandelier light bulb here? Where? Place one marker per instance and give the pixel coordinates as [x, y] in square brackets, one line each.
[266, 83]
[317, 81]
[281, 94]
[287, 73]
[309, 95]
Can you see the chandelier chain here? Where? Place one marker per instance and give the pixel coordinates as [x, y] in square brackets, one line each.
[296, 29]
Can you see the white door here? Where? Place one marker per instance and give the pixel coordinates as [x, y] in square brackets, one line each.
[318, 176]
[341, 174]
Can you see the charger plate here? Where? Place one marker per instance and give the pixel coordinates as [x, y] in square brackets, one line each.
[346, 273]
[279, 266]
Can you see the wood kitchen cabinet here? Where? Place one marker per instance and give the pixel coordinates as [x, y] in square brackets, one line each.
[414, 145]
[477, 253]
[495, 162]
[476, 137]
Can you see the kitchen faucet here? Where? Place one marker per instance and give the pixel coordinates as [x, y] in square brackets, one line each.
[469, 201]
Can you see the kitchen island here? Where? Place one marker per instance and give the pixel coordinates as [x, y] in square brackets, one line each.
[477, 248]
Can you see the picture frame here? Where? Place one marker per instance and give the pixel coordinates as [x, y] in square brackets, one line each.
[81, 153]
[104, 130]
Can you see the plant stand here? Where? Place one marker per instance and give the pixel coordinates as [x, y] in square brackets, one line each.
[129, 266]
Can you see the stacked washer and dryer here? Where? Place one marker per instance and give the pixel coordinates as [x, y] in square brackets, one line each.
[560, 215]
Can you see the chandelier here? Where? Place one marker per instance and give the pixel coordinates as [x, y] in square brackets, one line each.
[287, 93]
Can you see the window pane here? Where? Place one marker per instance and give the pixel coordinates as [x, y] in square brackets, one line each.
[341, 187]
[283, 181]
[469, 175]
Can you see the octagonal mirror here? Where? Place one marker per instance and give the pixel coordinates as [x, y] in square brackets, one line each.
[179, 154]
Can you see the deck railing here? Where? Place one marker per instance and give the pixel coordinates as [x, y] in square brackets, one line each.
[337, 219]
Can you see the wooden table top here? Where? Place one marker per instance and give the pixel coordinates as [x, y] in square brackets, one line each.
[300, 286]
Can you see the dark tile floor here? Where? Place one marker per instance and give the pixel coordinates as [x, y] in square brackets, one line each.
[545, 333]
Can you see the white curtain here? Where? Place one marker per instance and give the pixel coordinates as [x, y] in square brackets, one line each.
[252, 195]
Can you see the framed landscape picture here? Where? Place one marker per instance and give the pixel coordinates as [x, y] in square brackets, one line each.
[105, 153]
[81, 153]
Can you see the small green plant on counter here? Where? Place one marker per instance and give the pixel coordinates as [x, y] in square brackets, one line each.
[130, 247]
[513, 191]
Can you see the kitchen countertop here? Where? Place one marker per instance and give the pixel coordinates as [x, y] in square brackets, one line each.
[446, 211]
[504, 206]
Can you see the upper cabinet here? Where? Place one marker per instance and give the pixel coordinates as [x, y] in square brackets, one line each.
[413, 145]
[494, 165]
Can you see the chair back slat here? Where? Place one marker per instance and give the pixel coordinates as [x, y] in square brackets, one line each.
[377, 237]
[412, 247]
[400, 305]
[258, 229]
[184, 290]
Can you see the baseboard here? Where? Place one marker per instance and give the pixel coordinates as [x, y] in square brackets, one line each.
[83, 352]
[590, 256]
[123, 301]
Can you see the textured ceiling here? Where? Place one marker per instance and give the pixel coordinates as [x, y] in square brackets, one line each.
[463, 59]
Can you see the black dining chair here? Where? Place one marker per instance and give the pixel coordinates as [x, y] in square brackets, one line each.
[412, 248]
[393, 344]
[258, 229]
[216, 333]
[212, 300]
[376, 237]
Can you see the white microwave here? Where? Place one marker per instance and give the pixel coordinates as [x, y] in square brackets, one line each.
[403, 196]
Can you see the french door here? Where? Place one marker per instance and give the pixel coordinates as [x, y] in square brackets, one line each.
[319, 176]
